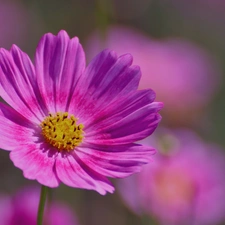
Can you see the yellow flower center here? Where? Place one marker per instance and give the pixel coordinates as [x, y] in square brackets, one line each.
[61, 131]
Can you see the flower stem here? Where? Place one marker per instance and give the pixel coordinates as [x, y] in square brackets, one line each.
[41, 206]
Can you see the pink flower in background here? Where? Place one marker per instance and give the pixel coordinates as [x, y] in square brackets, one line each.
[184, 185]
[71, 124]
[22, 210]
[183, 75]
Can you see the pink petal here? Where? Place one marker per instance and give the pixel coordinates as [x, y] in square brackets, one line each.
[115, 161]
[59, 63]
[126, 126]
[109, 77]
[128, 133]
[73, 172]
[15, 129]
[18, 86]
[119, 109]
[37, 163]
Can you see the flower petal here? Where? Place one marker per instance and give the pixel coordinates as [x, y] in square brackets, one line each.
[116, 161]
[109, 77]
[126, 121]
[59, 63]
[118, 109]
[37, 162]
[133, 128]
[73, 172]
[18, 85]
[15, 129]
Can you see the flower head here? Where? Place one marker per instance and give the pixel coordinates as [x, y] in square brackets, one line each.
[21, 209]
[71, 124]
[184, 185]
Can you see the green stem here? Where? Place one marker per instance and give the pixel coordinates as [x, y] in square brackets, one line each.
[41, 206]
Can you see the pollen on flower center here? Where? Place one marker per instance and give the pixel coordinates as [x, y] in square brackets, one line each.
[61, 131]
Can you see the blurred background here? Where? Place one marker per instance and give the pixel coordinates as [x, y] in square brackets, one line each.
[180, 47]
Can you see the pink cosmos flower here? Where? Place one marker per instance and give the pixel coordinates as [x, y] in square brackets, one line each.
[183, 75]
[184, 185]
[22, 210]
[71, 124]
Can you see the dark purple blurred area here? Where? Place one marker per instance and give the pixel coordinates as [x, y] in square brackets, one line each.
[180, 47]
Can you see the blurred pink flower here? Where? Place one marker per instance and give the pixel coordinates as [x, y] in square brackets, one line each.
[184, 185]
[183, 75]
[22, 210]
